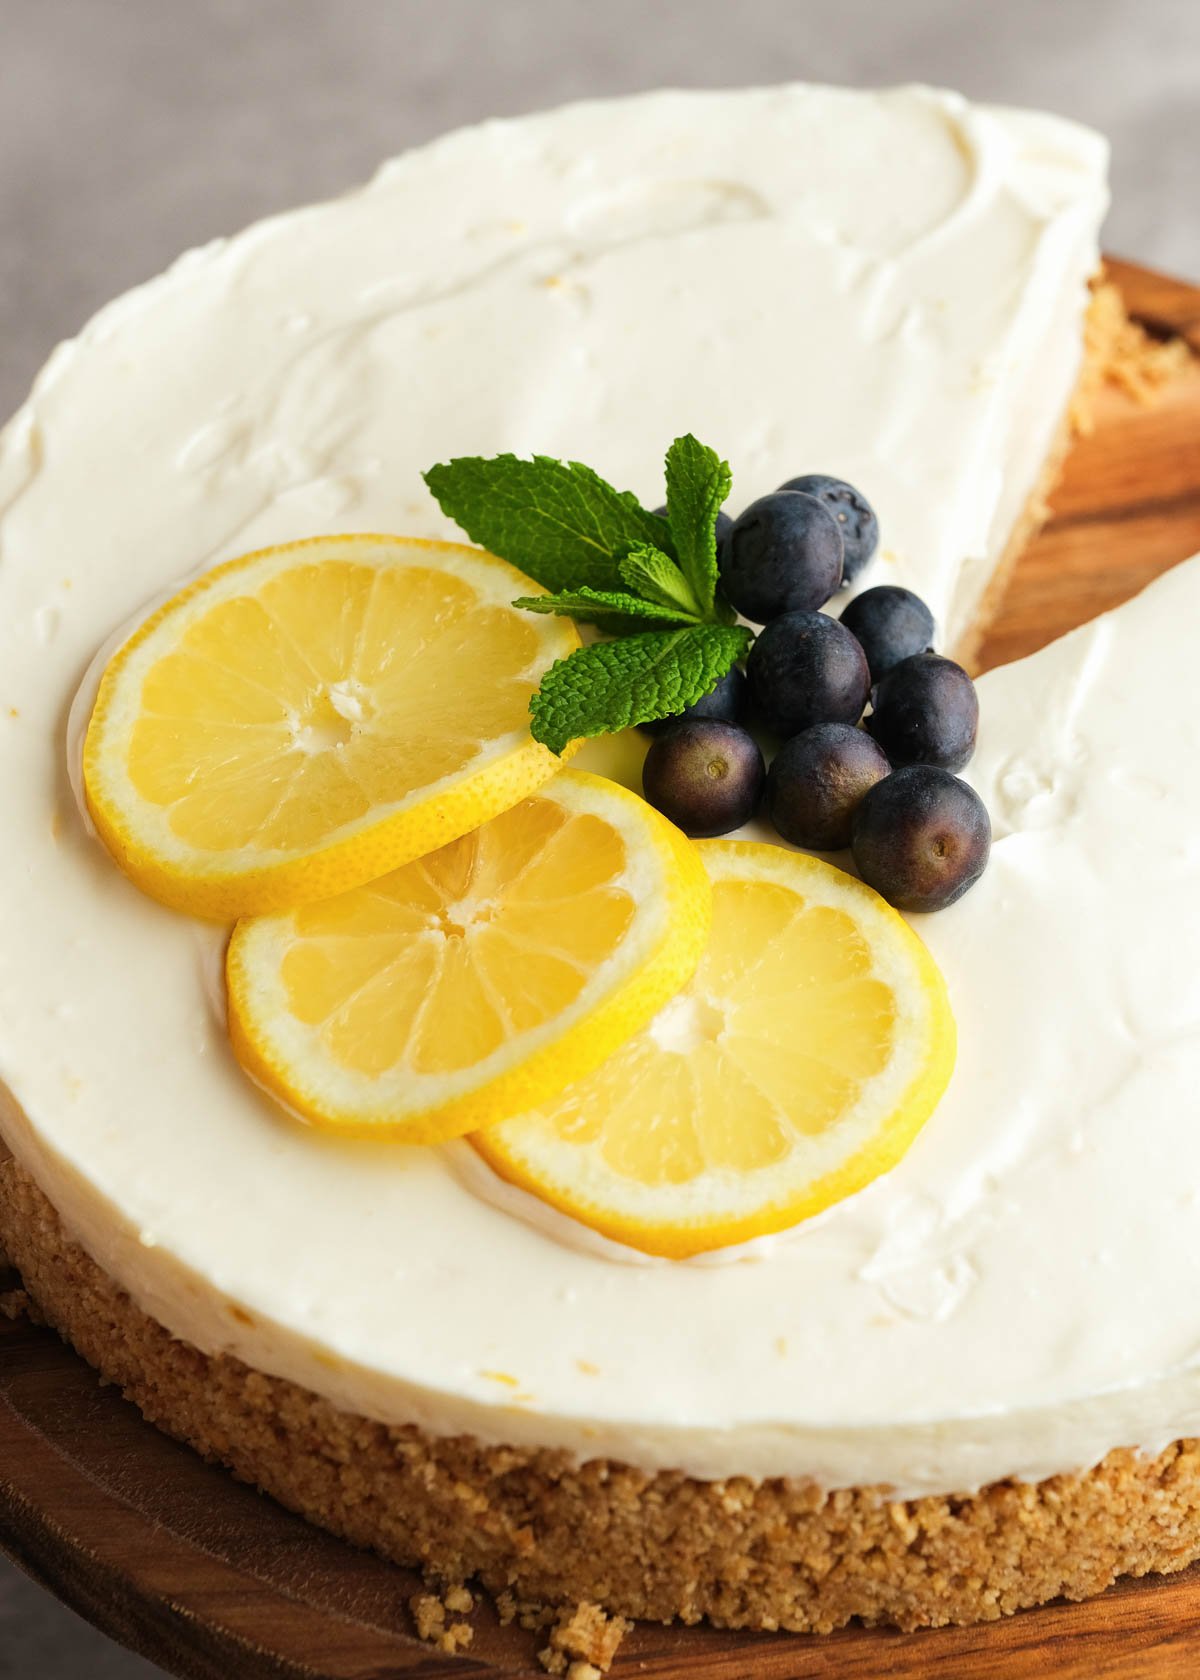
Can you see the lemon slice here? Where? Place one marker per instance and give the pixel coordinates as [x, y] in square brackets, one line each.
[799, 1063]
[477, 981]
[307, 718]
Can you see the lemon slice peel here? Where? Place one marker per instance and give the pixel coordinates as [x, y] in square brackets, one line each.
[186, 707]
[329, 1070]
[727, 1105]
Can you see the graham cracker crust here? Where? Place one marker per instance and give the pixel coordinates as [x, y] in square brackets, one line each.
[536, 1527]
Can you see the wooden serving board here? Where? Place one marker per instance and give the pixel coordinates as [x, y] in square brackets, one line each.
[215, 1582]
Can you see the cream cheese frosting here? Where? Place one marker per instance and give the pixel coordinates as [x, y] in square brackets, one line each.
[885, 286]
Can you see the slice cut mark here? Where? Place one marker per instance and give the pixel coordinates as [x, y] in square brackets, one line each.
[306, 718]
[480, 980]
[811, 1044]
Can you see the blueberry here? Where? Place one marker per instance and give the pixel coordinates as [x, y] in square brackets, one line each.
[818, 780]
[705, 775]
[921, 838]
[784, 554]
[805, 669]
[727, 701]
[891, 623]
[723, 526]
[853, 512]
[926, 712]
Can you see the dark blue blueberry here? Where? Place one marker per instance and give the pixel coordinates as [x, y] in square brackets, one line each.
[804, 668]
[705, 776]
[818, 780]
[853, 512]
[784, 554]
[926, 712]
[727, 701]
[891, 623]
[921, 838]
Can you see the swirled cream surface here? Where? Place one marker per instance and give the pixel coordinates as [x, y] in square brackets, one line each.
[889, 287]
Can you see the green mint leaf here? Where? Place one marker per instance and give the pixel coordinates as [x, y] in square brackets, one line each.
[558, 521]
[655, 577]
[605, 607]
[698, 481]
[611, 685]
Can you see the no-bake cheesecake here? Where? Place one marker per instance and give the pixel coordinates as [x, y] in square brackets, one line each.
[906, 1409]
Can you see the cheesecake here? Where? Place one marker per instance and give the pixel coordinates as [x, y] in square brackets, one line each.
[965, 1389]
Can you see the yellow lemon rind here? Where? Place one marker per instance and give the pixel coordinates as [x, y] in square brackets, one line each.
[681, 1240]
[376, 847]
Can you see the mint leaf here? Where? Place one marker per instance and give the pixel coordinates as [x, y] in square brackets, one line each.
[655, 577]
[559, 522]
[698, 481]
[603, 607]
[611, 685]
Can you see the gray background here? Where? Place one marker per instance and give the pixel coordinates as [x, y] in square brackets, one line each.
[130, 129]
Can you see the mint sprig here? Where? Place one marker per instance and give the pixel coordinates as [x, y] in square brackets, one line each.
[655, 577]
[605, 560]
[557, 520]
[602, 606]
[613, 685]
[698, 482]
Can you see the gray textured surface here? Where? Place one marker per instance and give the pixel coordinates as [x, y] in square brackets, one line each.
[130, 129]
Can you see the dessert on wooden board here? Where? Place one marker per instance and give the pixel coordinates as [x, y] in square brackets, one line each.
[736, 1301]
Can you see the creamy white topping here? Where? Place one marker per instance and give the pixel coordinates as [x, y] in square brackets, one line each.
[885, 286]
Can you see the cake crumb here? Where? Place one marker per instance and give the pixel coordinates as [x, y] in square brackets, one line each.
[14, 1302]
[527, 1615]
[429, 1614]
[456, 1638]
[584, 1639]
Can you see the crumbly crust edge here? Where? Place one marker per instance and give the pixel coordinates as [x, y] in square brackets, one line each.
[536, 1525]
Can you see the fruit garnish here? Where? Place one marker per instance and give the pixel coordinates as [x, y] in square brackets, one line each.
[854, 514]
[817, 781]
[926, 712]
[705, 775]
[477, 981]
[799, 1063]
[684, 567]
[784, 554]
[891, 624]
[806, 669]
[306, 718]
[921, 837]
